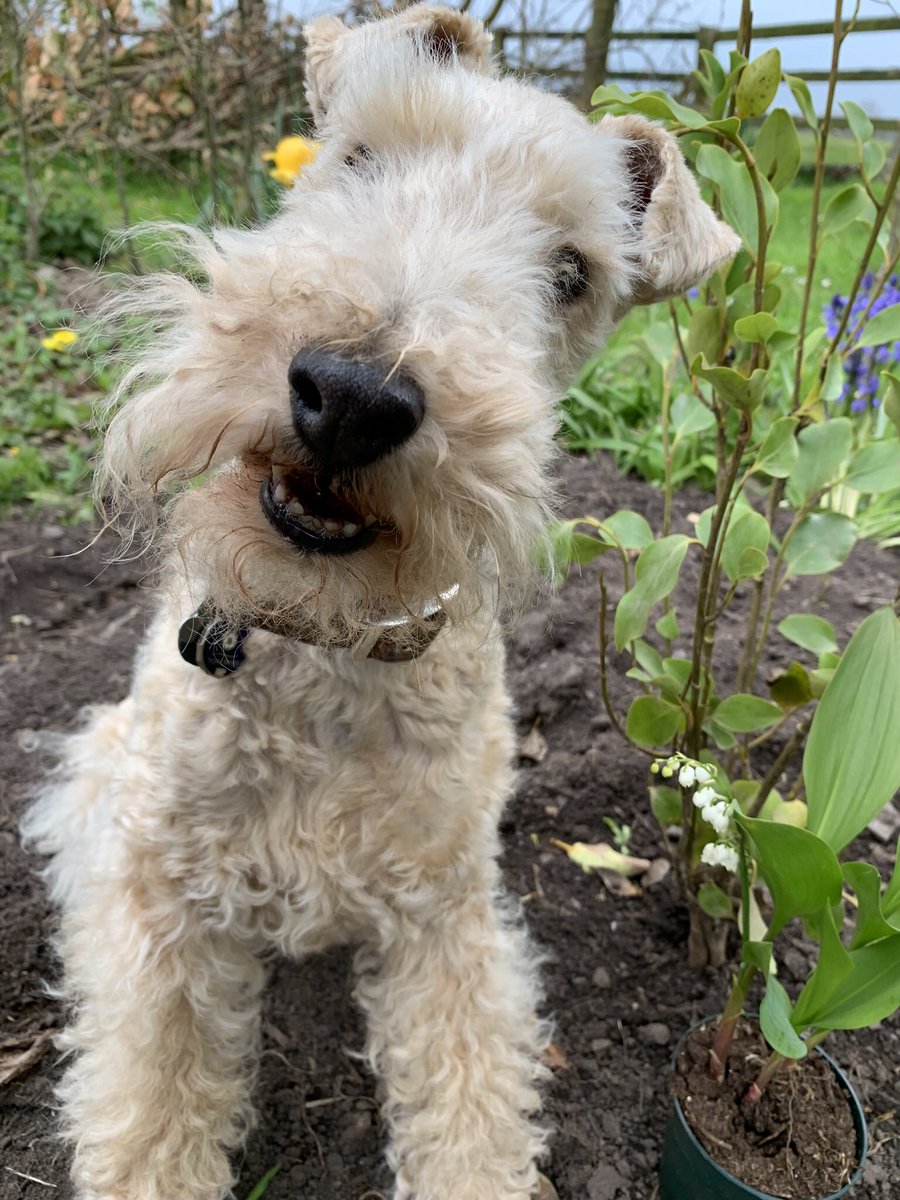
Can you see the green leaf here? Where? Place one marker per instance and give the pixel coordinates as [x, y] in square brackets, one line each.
[667, 626]
[801, 94]
[724, 738]
[746, 542]
[875, 468]
[759, 953]
[871, 925]
[833, 383]
[758, 84]
[791, 688]
[775, 1021]
[666, 805]
[892, 398]
[689, 415]
[568, 545]
[821, 542]
[890, 901]
[758, 327]
[811, 632]
[873, 159]
[777, 149]
[821, 453]
[706, 333]
[656, 574]
[735, 389]
[778, 452]
[802, 872]
[736, 193]
[629, 528]
[832, 967]
[263, 1186]
[657, 105]
[851, 766]
[653, 721]
[870, 992]
[648, 657]
[858, 120]
[882, 328]
[743, 713]
[714, 902]
[850, 204]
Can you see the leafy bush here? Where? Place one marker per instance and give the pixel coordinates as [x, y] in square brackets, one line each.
[798, 422]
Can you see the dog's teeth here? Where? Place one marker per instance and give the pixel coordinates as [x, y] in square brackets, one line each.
[333, 526]
[296, 509]
[281, 493]
[350, 529]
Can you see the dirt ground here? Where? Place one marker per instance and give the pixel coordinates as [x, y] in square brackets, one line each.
[615, 982]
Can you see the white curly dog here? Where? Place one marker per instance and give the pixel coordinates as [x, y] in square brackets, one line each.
[360, 397]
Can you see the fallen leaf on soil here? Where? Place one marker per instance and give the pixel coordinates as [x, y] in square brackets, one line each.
[534, 745]
[19, 1054]
[598, 856]
[554, 1058]
[656, 872]
[546, 1190]
[618, 885]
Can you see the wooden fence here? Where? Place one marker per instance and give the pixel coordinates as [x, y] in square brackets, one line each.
[705, 38]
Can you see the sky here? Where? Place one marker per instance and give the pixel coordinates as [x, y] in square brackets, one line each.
[860, 50]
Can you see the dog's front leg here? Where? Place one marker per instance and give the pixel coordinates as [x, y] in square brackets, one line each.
[453, 1032]
[159, 1088]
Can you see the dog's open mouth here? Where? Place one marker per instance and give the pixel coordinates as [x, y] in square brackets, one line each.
[313, 514]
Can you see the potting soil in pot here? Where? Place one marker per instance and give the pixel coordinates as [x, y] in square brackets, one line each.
[798, 1142]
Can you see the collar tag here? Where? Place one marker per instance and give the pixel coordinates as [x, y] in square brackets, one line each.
[207, 641]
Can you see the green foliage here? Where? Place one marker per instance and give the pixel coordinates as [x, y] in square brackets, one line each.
[747, 386]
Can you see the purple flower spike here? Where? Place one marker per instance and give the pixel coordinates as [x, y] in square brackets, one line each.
[863, 366]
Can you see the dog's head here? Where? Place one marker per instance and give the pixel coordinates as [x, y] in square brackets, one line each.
[367, 385]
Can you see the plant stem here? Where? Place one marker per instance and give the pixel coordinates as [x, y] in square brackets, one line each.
[749, 660]
[821, 146]
[604, 674]
[706, 599]
[734, 1008]
[756, 1089]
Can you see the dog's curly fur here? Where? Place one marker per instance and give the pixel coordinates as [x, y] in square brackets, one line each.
[313, 798]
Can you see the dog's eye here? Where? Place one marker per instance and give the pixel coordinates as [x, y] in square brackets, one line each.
[359, 157]
[571, 275]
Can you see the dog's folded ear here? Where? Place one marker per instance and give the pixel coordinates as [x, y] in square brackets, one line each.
[445, 35]
[681, 240]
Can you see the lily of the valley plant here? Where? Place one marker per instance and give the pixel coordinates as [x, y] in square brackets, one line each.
[765, 785]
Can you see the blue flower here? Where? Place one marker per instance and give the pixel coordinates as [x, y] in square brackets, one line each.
[863, 366]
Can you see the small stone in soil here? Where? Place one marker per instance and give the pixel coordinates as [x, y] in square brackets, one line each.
[654, 1034]
[601, 978]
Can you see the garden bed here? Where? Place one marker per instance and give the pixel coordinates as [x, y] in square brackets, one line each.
[614, 980]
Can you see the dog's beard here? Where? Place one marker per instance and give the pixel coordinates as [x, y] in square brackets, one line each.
[424, 546]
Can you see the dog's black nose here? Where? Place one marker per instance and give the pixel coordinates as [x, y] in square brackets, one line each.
[349, 413]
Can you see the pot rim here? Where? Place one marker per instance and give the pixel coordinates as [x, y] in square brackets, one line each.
[859, 1121]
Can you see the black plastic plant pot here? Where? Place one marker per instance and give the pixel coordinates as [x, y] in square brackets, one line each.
[687, 1172]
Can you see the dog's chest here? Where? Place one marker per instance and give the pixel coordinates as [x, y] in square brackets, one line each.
[309, 801]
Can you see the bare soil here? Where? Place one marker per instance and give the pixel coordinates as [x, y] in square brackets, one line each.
[615, 980]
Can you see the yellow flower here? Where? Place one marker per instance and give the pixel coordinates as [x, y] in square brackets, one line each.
[59, 339]
[289, 158]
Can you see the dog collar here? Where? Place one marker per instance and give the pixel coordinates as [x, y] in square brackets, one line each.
[209, 641]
